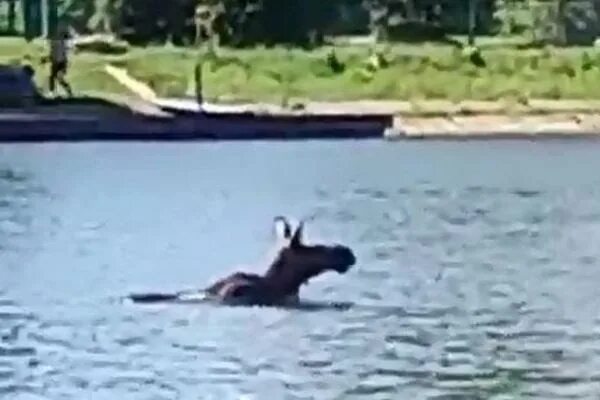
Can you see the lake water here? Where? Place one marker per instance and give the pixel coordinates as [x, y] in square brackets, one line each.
[477, 277]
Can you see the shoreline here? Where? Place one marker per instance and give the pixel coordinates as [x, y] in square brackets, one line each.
[143, 115]
[497, 126]
[125, 119]
[128, 99]
[105, 117]
[439, 119]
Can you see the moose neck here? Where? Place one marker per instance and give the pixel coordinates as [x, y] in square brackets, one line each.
[287, 279]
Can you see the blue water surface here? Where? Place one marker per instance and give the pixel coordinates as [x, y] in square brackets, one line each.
[477, 277]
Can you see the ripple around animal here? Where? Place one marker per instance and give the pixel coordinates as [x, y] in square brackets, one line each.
[476, 276]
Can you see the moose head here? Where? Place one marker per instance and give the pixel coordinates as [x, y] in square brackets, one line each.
[297, 262]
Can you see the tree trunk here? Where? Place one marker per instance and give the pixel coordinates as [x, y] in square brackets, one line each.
[44, 18]
[472, 21]
[561, 22]
[12, 16]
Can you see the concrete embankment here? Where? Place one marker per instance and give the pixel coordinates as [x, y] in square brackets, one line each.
[123, 118]
[32, 117]
[441, 119]
[74, 121]
[448, 120]
[559, 125]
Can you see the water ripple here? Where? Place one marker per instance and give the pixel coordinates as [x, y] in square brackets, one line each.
[472, 282]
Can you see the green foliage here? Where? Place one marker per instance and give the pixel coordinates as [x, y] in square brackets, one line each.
[237, 22]
[272, 22]
[105, 16]
[272, 61]
[513, 17]
[308, 23]
[282, 75]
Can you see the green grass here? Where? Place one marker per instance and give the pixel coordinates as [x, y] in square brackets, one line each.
[416, 72]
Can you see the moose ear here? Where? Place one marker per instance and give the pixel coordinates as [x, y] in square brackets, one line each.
[297, 238]
[282, 227]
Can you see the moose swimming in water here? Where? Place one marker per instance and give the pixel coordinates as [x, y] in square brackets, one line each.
[294, 265]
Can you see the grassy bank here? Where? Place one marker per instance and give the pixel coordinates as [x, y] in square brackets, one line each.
[414, 72]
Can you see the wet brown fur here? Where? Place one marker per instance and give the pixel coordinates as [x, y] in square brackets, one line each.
[294, 265]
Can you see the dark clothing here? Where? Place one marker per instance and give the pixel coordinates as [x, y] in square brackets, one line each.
[58, 70]
[58, 67]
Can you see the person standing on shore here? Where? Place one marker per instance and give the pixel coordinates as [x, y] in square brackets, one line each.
[59, 61]
[198, 83]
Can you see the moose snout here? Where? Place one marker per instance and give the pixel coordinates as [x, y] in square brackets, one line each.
[346, 257]
[349, 256]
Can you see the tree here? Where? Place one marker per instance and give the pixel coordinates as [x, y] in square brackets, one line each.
[273, 22]
[561, 21]
[77, 13]
[12, 16]
[105, 16]
[472, 21]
